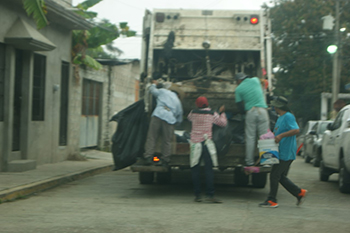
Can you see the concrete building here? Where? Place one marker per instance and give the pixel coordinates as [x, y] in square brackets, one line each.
[38, 122]
[105, 92]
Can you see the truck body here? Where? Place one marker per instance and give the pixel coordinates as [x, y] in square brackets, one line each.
[201, 51]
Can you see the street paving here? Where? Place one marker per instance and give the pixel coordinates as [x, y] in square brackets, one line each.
[116, 202]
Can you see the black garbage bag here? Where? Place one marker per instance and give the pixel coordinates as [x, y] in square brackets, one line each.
[238, 135]
[130, 136]
[184, 138]
[222, 137]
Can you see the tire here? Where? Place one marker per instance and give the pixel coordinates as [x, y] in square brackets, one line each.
[146, 177]
[324, 173]
[240, 178]
[307, 159]
[163, 177]
[344, 178]
[259, 180]
[317, 159]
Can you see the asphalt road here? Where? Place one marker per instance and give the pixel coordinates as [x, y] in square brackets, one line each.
[116, 202]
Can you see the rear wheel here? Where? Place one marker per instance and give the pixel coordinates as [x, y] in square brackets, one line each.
[344, 178]
[146, 177]
[163, 177]
[324, 173]
[240, 178]
[259, 180]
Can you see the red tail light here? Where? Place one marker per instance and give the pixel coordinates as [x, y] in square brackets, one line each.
[155, 159]
[254, 19]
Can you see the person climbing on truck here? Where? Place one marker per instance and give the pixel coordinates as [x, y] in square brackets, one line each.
[203, 148]
[167, 113]
[285, 130]
[250, 100]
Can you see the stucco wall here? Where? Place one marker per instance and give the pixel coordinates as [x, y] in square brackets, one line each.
[1, 138]
[43, 136]
[122, 94]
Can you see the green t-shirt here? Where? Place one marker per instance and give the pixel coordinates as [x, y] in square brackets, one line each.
[250, 91]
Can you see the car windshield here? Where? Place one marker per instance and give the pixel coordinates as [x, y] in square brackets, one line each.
[323, 127]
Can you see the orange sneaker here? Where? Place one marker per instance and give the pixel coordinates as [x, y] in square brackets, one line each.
[269, 204]
[301, 196]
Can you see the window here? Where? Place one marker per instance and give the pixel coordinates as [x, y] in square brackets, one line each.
[91, 100]
[38, 110]
[64, 104]
[2, 80]
[338, 120]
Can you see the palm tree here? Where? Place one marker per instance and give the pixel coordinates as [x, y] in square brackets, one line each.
[36, 9]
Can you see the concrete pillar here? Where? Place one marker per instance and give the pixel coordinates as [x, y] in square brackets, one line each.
[8, 106]
[27, 96]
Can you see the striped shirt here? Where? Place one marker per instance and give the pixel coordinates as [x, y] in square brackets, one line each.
[202, 123]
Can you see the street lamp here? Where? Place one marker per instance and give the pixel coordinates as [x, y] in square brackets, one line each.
[332, 49]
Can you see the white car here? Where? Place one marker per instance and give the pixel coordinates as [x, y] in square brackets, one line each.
[301, 136]
[313, 143]
[336, 150]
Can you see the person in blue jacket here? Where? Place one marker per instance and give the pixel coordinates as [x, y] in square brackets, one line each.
[286, 129]
[167, 113]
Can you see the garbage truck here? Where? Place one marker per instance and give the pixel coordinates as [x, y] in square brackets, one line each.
[199, 52]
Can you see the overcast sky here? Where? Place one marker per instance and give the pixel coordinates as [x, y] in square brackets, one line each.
[132, 11]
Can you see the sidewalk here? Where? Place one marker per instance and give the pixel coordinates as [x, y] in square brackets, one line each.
[17, 185]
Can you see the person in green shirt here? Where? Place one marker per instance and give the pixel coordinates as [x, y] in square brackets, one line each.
[250, 100]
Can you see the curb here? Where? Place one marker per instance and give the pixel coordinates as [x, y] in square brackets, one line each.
[40, 186]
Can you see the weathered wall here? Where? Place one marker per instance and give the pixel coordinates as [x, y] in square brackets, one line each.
[43, 136]
[118, 93]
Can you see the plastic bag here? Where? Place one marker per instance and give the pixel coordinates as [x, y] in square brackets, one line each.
[130, 136]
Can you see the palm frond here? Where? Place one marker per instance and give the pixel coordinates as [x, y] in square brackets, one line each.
[36, 8]
[87, 4]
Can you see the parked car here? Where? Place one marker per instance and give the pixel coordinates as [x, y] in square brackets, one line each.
[313, 142]
[301, 137]
[336, 150]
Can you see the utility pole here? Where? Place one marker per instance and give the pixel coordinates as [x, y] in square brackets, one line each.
[336, 61]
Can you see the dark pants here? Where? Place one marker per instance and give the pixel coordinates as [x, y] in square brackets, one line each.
[159, 128]
[209, 174]
[279, 175]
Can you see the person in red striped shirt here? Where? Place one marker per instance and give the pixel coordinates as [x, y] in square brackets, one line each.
[203, 147]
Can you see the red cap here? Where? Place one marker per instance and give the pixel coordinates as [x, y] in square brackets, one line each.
[202, 102]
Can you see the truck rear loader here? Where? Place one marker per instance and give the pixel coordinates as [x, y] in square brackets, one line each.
[200, 51]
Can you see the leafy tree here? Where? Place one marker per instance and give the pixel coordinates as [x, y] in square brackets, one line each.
[36, 9]
[86, 44]
[299, 50]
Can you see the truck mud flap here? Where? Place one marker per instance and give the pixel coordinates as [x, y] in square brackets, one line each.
[140, 168]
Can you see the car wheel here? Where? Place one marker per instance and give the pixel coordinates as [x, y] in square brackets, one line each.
[307, 159]
[317, 160]
[146, 177]
[240, 178]
[324, 173]
[344, 178]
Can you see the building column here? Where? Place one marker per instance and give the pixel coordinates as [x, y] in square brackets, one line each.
[8, 106]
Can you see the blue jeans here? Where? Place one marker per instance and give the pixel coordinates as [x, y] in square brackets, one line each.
[209, 174]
